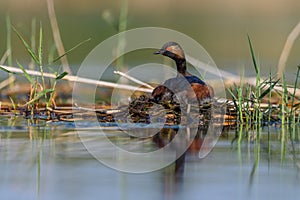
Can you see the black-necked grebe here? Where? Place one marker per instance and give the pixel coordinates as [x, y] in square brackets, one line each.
[183, 81]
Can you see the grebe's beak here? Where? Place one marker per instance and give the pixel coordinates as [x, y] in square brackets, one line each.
[161, 51]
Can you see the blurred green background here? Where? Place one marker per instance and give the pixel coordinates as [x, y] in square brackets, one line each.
[220, 26]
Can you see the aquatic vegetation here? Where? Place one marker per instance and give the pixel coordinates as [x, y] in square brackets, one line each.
[41, 94]
[253, 104]
[39, 89]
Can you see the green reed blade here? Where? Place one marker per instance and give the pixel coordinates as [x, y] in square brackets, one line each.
[40, 55]
[40, 50]
[271, 86]
[234, 99]
[295, 87]
[62, 75]
[27, 76]
[70, 50]
[39, 95]
[32, 42]
[253, 55]
[13, 104]
[28, 48]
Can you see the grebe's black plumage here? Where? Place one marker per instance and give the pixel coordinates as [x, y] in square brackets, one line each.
[184, 81]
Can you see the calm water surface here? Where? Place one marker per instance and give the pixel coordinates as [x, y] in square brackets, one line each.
[50, 162]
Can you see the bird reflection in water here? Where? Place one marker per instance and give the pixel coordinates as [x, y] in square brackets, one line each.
[173, 175]
[183, 104]
[188, 142]
[185, 89]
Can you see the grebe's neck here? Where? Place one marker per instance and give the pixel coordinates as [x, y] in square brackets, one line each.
[181, 67]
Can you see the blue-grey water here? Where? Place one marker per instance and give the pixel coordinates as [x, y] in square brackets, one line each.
[50, 162]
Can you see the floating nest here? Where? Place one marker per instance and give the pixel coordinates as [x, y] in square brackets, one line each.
[144, 109]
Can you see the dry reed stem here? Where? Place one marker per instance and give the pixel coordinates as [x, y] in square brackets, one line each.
[56, 36]
[287, 49]
[79, 79]
[6, 82]
[10, 79]
[134, 79]
[5, 56]
[212, 69]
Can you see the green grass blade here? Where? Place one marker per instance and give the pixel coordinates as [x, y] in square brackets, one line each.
[231, 94]
[234, 99]
[40, 50]
[253, 55]
[29, 50]
[292, 114]
[27, 76]
[268, 90]
[267, 82]
[62, 75]
[295, 84]
[13, 105]
[32, 42]
[236, 88]
[12, 102]
[40, 54]
[284, 97]
[39, 95]
[70, 50]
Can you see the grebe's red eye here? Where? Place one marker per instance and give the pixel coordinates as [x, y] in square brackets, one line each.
[169, 49]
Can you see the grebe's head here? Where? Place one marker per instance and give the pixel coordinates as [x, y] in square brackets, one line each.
[172, 50]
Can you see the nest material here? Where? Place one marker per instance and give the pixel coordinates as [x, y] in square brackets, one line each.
[144, 109]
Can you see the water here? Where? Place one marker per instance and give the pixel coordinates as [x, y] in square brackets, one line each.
[50, 162]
